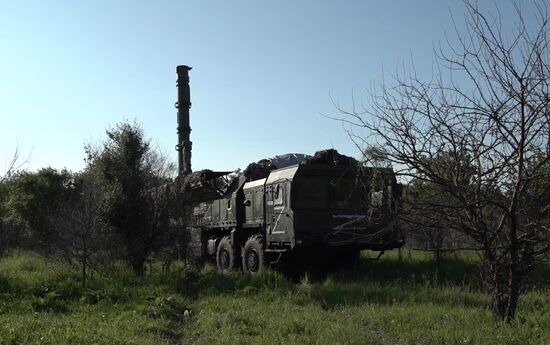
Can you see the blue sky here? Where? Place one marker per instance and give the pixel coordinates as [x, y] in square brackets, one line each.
[263, 71]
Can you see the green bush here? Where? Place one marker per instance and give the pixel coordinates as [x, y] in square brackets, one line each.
[50, 301]
[168, 307]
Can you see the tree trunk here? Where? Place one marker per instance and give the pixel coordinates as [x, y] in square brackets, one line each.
[400, 254]
[504, 301]
[137, 255]
[513, 297]
[84, 264]
[437, 254]
[438, 250]
[138, 266]
[504, 284]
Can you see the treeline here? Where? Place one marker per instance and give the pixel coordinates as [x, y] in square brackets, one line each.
[115, 209]
[433, 219]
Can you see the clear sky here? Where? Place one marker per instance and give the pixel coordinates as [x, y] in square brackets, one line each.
[263, 71]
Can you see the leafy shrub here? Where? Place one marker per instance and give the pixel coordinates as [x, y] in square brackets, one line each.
[50, 302]
[173, 308]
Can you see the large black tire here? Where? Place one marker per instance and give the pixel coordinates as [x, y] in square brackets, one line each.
[253, 255]
[226, 257]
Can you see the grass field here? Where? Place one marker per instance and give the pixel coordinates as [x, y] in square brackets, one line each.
[379, 302]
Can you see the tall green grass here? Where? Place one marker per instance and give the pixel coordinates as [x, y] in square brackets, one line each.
[389, 301]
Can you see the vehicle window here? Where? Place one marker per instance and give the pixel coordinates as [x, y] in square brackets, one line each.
[278, 197]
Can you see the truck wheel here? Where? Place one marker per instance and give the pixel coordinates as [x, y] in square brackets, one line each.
[225, 256]
[253, 255]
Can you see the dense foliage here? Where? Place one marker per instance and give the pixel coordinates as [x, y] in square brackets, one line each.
[112, 209]
[130, 167]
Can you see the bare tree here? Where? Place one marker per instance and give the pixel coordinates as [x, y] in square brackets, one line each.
[14, 163]
[428, 225]
[376, 157]
[81, 235]
[10, 231]
[488, 108]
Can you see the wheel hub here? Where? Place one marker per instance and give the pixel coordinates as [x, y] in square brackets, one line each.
[252, 261]
[224, 258]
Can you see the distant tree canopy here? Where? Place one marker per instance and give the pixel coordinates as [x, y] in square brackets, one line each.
[34, 199]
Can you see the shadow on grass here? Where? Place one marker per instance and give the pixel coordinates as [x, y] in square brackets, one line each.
[209, 282]
[387, 281]
[332, 294]
[456, 283]
[8, 286]
[452, 271]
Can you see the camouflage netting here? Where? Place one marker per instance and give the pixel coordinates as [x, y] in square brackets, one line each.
[331, 157]
[258, 170]
[288, 159]
[196, 187]
[262, 168]
[192, 180]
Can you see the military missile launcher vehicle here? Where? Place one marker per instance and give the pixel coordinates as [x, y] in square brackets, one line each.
[325, 203]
